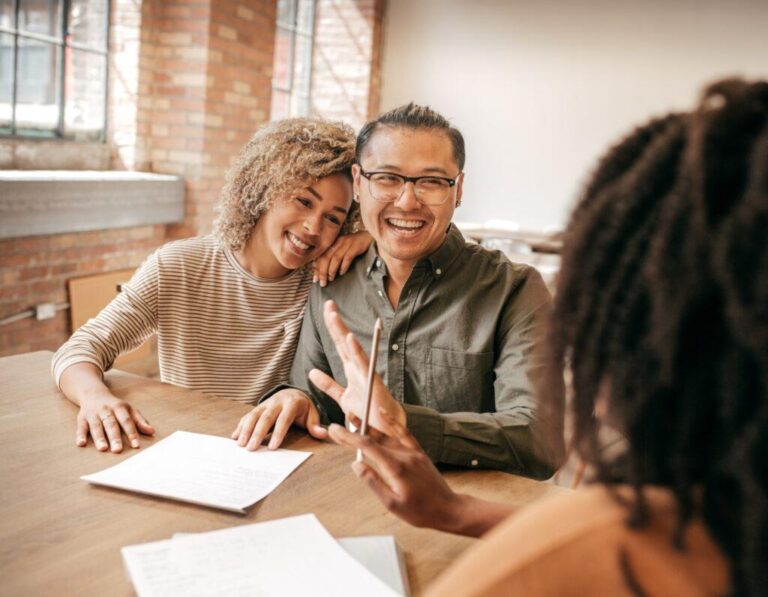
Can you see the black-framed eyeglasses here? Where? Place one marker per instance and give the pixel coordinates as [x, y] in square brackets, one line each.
[429, 190]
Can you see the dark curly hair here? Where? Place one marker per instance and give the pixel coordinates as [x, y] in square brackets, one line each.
[662, 306]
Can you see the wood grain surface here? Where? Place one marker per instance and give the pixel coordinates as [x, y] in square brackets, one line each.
[61, 536]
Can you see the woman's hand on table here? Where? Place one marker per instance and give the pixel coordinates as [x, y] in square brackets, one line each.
[276, 414]
[339, 256]
[106, 418]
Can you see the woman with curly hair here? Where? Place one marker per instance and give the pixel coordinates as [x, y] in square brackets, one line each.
[226, 308]
[661, 314]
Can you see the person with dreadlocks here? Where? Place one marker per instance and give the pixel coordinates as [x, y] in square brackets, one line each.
[661, 314]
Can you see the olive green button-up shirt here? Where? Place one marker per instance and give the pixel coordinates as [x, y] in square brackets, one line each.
[460, 352]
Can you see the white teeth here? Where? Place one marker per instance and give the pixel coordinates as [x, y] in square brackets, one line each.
[405, 223]
[298, 242]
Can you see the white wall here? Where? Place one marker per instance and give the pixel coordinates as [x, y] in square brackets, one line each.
[540, 88]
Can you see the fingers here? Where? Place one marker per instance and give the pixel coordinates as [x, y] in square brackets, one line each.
[345, 263]
[398, 430]
[144, 426]
[236, 433]
[320, 270]
[370, 431]
[112, 428]
[97, 433]
[322, 266]
[344, 437]
[282, 425]
[326, 384]
[314, 427]
[246, 425]
[124, 418]
[355, 350]
[352, 439]
[261, 429]
[336, 328]
[81, 433]
[333, 265]
[388, 497]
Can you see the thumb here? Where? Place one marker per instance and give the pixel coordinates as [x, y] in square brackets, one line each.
[313, 424]
[326, 384]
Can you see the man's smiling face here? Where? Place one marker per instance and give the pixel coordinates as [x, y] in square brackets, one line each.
[405, 229]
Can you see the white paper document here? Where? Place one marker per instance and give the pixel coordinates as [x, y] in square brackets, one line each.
[203, 469]
[381, 555]
[287, 557]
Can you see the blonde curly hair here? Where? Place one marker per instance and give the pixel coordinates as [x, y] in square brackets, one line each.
[281, 158]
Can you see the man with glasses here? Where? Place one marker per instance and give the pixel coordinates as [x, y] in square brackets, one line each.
[462, 326]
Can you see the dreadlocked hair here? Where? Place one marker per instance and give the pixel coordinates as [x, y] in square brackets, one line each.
[662, 306]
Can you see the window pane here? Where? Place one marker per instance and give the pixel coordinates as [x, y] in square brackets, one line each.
[6, 81]
[281, 75]
[6, 13]
[281, 105]
[37, 86]
[84, 91]
[301, 75]
[304, 19]
[286, 11]
[40, 16]
[88, 23]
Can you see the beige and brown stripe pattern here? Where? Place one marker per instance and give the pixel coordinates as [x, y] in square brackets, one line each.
[220, 330]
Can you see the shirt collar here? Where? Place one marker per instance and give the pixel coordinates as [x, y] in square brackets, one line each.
[438, 262]
[373, 262]
[441, 259]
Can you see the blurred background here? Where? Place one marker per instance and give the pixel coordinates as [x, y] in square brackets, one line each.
[118, 119]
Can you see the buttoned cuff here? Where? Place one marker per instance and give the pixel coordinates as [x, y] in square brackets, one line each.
[426, 425]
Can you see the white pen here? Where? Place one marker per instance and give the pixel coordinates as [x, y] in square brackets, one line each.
[371, 373]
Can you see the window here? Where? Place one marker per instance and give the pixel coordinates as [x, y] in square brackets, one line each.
[292, 69]
[53, 68]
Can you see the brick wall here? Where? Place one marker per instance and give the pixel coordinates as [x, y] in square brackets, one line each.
[346, 57]
[35, 270]
[208, 71]
[189, 84]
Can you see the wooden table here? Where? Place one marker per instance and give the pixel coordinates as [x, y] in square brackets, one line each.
[59, 535]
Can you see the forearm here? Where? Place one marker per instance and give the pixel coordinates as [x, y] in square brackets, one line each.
[474, 517]
[501, 441]
[81, 381]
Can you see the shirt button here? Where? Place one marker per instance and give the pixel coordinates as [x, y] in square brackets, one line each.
[438, 271]
[395, 347]
[381, 294]
[474, 462]
[378, 263]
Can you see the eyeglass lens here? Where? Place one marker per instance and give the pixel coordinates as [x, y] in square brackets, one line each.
[389, 187]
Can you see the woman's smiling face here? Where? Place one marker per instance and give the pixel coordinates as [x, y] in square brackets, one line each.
[301, 227]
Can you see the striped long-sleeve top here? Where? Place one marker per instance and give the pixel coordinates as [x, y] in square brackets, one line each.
[220, 330]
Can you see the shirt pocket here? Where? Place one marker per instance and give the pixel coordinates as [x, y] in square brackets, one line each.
[459, 381]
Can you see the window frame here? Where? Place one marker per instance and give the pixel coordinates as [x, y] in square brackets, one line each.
[294, 31]
[62, 44]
